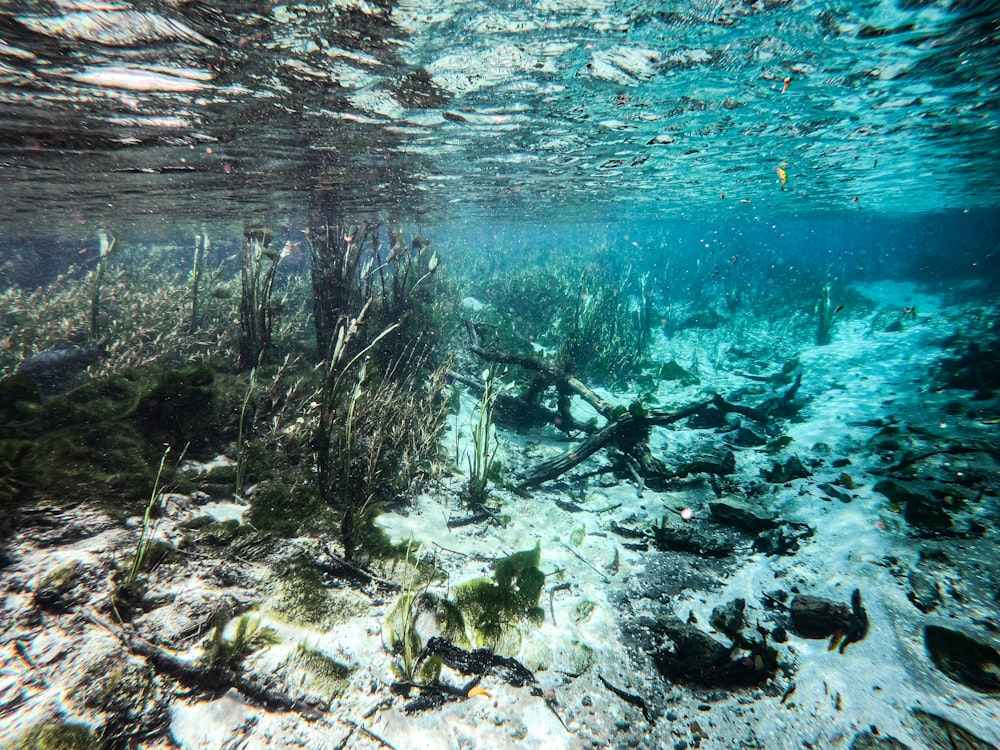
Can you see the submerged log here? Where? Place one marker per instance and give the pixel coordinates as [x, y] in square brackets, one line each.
[614, 432]
[627, 432]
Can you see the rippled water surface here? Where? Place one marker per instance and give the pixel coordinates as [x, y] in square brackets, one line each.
[171, 111]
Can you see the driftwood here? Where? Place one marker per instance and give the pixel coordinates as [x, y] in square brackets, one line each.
[626, 425]
[626, 432]
[565, 384]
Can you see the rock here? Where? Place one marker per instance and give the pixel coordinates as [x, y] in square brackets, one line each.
[59, 590]
[835, 493]
[744, 437]
[924, 591]
[209, 724]
[728, 618]
[965, 659]
[673, 371]
[741, 514]
[708, 418]
[925, 505]
[816, 617]
[793, 468]
[942, 733]
[719, 463]
[128, 694]
[868, 741]
[694, 649]
[696, 539]
[782, 539]
[927, 513]
[699, 658]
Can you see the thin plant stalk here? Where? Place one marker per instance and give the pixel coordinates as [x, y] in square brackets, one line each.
[241, 460]
[107, 247]
[147, 526]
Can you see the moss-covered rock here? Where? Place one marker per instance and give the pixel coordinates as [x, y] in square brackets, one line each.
[323, 676]
[178, 407]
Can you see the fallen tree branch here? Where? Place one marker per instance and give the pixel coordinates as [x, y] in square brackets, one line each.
[611, 433]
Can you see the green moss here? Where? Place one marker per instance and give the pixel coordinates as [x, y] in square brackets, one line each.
[178, 408]
[302, 598]
[218, 533]
[288, 511]
[778, 444]
[325, 676]
[59, 735]
[19, 398]
[492, 608]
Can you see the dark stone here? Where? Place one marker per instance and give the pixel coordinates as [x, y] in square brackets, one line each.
[924, 591]
[782, 539]
[741, 514]
[673, 371]
[694, 649]
[816, 617]
[868, 741]
[745, 438]
[696, 539]
[58, 590]
[834, 492]
[699, 658]
[728, 618]
[964, 659]
[779, 635]
[943, 733]
[920, 507]
[719, 464]
[793, 468]
[708, 418]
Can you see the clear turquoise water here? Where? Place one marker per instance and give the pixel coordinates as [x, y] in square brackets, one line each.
[156, 117]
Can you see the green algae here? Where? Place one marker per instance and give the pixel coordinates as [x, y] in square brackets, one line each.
[493, 608]
[325, 676]
[302, 598]
[59, 735]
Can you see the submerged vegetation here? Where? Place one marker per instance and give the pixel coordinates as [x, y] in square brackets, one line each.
[310, 392]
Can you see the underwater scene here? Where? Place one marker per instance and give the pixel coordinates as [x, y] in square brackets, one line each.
[466, 374]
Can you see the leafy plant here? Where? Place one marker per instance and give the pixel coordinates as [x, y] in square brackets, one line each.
[229, 653]
[485, 441]
[380, 412]
[148, 527]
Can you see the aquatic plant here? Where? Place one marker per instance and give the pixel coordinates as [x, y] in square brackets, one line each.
[107, 247]
[256, 307]
[241, 459]
[484, 441]
[229, 653]
[145, 534]
[138, 314]
[402, 622]
[492, 608]
[59, 735]
[201, 246]
[380, 411]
